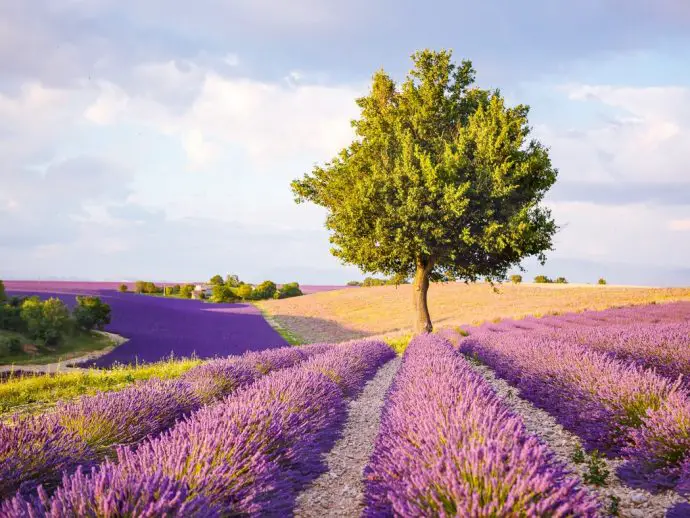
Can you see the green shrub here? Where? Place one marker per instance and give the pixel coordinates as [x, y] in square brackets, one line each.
[216, 279]
[91, 313]
[3, 295]
[186, 291]
[291, 289]
[354, 283]
[601, 281]
[561, 280]
[244, 291]
[232, 281]
[265, 290]
[372, 281]
[45, 321]
[516, 279]
[11, 318]
[542, 279]
[123, 288]
[10, 345]
[222, 293]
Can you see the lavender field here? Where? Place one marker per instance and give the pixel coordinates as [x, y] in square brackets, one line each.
[499, 420]
[157, 327]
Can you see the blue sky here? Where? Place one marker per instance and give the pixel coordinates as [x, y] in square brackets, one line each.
[157, 139]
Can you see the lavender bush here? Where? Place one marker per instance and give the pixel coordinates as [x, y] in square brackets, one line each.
[37, 450]
[246, 455]
[448, 446]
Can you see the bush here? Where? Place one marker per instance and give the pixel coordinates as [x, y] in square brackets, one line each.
[216, 279]
[168, 290]
[561, 280]
[244, 292]
[45, 321]
[601, 281]
[11, 318]
[354, 283]
[542, 279]
[291, 289]
[265, 290]
[516, 279]
[3, 295]
[232, 281]
[186, 291]
[176, 289]
[222, 293]
[373, 281]
[91, 313]
[10, 345]
[123, 288]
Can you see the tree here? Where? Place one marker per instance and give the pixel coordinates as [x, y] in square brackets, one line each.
[216, 280]
[291, 289]
[91, 313]
[542, 279]
[45, 321]
[265, 290]
[244, 292]
[3, 295]
[601, 281]
[561, 280]
[354, 283]
[516, 279]
[140, 287]
[442, 181]
[123, 288]
[232, 281]
[186, 291]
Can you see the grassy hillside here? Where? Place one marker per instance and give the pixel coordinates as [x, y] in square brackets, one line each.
[353, 313]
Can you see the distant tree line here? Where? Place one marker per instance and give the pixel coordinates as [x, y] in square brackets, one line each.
[47, 322]
[232, 289]
[543, 279]
[373, 281]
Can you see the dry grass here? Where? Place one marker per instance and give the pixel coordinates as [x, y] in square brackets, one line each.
[387, 310]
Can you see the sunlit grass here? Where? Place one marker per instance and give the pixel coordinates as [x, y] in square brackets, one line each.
[29, 393]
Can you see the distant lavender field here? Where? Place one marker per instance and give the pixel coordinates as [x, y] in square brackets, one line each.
[157, 327]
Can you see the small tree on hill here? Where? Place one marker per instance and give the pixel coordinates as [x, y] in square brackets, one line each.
[123, 288]
[542, 279]
[601, 281]
[216, 279]
[561, 280]
[291, 289]
[442, 180]
[516, 279]
[232, 281]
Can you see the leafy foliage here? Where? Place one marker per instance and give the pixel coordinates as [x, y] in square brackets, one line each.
[123, 288]
[216, 279]
[291, 289]
[3, 295]
[186, 291]
[443, 180]
[601, 281]
[265, 290]
[516, 279]
[542, 279]
[244, 292]
[91, 313]
[561, 280]
[45, 321]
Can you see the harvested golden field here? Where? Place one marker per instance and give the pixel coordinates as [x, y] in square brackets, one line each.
[358, 312]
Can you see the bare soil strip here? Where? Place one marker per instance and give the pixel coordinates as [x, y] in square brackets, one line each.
[339, 491]
[634, 503]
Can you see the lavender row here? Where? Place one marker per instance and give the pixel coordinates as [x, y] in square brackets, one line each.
[247, 455]
[448, 446]
[613, 405]
[36, 450]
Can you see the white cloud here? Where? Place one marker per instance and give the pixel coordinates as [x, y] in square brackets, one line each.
[679, 224]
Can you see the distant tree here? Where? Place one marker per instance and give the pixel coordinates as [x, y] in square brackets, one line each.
[441, 179]
[291, 289]
[186, 291]
[169, 290]
[91, 313]
[542, 279]
[232, 281]
[140, 287]
[3, 294]
[216, 279]
[397, 279]
[516, 279]
[561, 280]
[354, 283]
[373, 281]
[244, 292]
[601, 281]
[176, 289]
[265, 290]
[123, 288]
[11, 318]
[46, 321]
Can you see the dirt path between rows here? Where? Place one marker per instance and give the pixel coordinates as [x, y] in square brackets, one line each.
[340, 490]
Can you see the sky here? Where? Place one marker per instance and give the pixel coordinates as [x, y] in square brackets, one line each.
[158, 139]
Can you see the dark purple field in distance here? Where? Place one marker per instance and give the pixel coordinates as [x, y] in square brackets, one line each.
[157, 327]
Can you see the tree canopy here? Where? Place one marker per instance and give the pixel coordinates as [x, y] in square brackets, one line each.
[441, 182]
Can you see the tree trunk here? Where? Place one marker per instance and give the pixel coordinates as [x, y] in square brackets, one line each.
[422, 323]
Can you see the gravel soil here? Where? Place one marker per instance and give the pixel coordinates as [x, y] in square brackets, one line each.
[339, 491]
[634, 503]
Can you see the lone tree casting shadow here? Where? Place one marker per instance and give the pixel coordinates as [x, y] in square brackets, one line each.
[440, 183]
